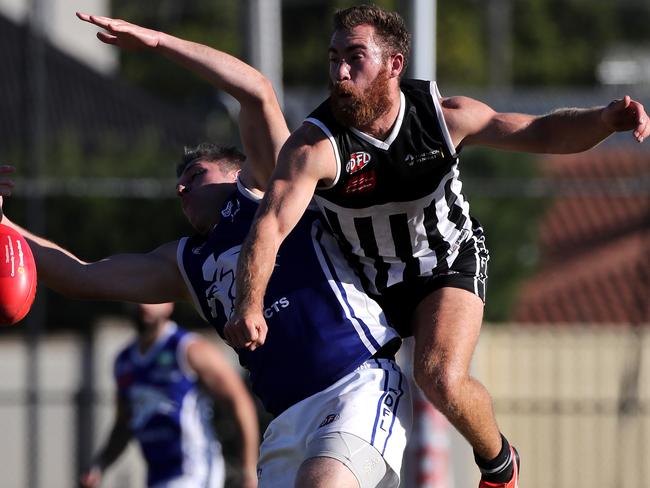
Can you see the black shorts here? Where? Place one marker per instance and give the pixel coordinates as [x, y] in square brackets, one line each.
[468, 272]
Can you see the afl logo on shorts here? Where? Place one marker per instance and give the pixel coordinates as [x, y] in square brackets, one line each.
[357, 162]
[333, 417]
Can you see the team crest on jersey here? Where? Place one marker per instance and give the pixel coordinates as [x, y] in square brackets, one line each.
[333, 417]
[220, 273]
[231, 209]
[361, 183]
[165, 359]
[357, 162]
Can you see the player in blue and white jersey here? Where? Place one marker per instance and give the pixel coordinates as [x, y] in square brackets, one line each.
[327, 370]
[315, 300]
[343, 407]
[167, 379]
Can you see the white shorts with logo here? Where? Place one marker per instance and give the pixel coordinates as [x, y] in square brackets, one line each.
[373, 403]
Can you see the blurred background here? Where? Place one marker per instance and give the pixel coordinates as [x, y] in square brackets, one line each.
[96, 132]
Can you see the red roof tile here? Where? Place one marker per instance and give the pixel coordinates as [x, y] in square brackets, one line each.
[595, 242]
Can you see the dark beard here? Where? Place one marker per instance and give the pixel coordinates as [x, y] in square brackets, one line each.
[360, 109]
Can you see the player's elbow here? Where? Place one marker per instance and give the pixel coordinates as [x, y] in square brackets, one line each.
[261, 92]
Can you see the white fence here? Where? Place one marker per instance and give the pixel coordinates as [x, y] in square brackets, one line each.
[574, 400]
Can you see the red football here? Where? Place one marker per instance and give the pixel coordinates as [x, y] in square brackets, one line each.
[17, 276]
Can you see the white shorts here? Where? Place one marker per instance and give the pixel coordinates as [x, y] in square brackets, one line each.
[373, 403]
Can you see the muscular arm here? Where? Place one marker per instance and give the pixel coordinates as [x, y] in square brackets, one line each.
[563, 131]
[306, 158]
[142, 278]
[262, 126]
[224, 384]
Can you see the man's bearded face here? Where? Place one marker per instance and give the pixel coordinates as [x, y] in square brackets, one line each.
[357, 107]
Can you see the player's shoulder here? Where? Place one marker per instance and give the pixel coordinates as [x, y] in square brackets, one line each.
[167, 251]
[306, 140]
[458, 102]
[125, 354]
[464, 110]
[415, 85]
[310, 133]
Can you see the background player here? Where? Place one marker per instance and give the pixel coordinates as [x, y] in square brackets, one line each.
[343, 407]
[381, 156]
[162, 379]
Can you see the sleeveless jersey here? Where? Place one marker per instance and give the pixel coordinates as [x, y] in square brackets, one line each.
[170, 415]
[396, 205]
[321, 325]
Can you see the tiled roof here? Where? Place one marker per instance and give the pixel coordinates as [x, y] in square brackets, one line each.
[595, 242]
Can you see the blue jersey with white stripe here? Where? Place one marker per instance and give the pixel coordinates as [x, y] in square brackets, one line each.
[169, 414]
[321, 325]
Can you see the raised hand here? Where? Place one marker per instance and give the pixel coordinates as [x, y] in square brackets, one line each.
[6, 183]
[627, 115]
[123, 34]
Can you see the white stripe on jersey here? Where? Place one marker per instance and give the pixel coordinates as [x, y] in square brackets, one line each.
[181, 356]
[478, 265]
[179, 262]
[200, 447]
[414, 211]
[335, 147]
[435, 94]
[356, 304]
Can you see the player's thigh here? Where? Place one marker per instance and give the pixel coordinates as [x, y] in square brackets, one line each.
[341, 459]
[325, 472]
[446, 327]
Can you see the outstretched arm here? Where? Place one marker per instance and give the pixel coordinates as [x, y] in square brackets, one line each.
[6, 184]
[563, 131]
[306, 158]
[117, 441]
[142, 278]
[262, 126]
[224, 384]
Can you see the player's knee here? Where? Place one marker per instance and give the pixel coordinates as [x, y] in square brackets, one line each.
[442, 385]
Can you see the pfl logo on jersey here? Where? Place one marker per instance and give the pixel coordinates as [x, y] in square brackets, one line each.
[357, 162]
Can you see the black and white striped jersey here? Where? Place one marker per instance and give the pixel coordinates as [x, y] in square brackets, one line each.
[396, 205]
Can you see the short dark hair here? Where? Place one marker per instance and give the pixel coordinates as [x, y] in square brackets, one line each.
[390, 27]
[228, 157]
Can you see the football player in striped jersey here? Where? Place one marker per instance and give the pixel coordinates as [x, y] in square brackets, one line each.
[380, 158]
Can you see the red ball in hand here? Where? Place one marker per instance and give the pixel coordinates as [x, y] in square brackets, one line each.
[17, 276]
